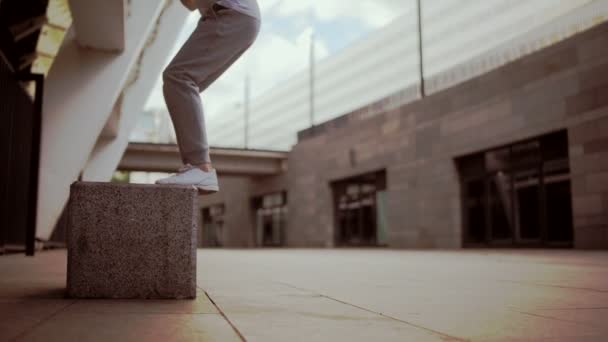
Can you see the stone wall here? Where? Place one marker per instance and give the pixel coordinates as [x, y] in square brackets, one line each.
[564, 86]
[589, 142]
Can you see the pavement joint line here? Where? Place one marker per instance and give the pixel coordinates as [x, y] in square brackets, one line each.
[140, 313]
[551, 318]
[43, 320]
[559, 309]
[540, 261]
[552, 285]
[236, 330]
[444, 336]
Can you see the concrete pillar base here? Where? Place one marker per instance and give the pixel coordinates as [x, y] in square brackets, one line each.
[131, 241]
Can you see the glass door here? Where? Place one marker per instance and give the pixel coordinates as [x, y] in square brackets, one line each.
[500, 207]
[518, 195]
[381, 219]
[528, 206]
[271, 212]
[357, 218]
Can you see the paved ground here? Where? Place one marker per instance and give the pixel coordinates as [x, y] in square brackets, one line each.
[329, 295]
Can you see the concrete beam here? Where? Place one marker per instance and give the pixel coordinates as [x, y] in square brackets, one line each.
[233, 162]
[92, 17]
[114, 138]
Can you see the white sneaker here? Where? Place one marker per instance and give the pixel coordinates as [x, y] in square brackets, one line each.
[205, 182]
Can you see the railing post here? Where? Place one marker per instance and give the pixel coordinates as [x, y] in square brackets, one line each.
[420, 49]
[32, 205]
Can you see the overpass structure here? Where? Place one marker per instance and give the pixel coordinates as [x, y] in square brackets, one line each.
[228, 161]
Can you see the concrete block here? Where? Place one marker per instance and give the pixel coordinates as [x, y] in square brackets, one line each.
[587, 205]
[584, 133]
[582, 103]
[595, 77]
[591, 237]
[593, 49]
[425, 138]
[579, 185]
[597, 183]
[589, 163]
[132, 241]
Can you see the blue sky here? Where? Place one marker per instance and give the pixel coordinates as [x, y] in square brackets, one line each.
[283, 45]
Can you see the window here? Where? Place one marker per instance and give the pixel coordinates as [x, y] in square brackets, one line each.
[518, 194]
[213, 224]
[359, 210]
[271, 219]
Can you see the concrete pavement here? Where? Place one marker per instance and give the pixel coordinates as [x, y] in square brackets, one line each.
[329, 295]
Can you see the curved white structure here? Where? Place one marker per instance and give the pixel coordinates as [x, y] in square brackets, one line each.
[93, 93]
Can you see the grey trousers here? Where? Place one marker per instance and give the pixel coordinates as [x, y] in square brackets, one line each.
[219, 39]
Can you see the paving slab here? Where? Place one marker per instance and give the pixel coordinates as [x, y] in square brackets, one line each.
[467, 295]
[595, 317]
[33, 278]
[17, 317]
[200, 305]
[303, 317]
[330, 295]
[84, 327]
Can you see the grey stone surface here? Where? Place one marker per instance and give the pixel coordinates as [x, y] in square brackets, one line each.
[132, 241]
[329, 295]
[390, 295]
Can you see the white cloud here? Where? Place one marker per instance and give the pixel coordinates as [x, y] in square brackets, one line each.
[374, 13]
[271, 60]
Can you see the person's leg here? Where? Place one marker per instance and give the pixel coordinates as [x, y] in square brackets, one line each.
[215, 44]
[207, 165]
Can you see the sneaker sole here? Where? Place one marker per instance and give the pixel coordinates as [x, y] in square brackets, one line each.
[207, 189]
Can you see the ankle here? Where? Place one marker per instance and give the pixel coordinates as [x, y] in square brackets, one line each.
[206, 167]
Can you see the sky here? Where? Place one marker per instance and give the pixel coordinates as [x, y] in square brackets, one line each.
[283, 46]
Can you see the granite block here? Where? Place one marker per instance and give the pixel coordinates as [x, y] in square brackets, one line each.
[131, 241]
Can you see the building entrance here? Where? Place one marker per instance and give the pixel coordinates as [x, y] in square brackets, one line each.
[518, 195]
[271, 219]
[359, 210]
[213, 226]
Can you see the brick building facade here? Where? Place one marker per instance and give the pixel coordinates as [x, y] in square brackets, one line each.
[505, 159]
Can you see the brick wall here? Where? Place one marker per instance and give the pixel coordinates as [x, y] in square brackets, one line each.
[564, 86]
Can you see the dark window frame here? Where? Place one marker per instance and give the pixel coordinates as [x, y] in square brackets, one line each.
[556, 162]
[258, 204]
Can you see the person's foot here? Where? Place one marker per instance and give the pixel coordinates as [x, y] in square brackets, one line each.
[205, 182]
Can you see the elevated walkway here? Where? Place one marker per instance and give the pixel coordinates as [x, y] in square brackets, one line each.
[228, 161]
